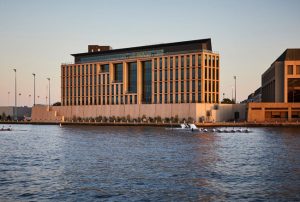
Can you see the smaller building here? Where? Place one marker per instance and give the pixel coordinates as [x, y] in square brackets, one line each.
[8, 112]
[281, 82]
[273, 112]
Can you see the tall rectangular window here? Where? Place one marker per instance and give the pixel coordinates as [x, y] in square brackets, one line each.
[171, 62]
[193, 60]
[176, 61]
[132, 77]
[188, 61]
[290, 69]
[166, 62]
[182, 61]
[298, 69]
[118, 70]
[199, 60]
[147, 82]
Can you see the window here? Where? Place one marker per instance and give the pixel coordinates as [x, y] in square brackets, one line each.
[290, 69]
[188, 61]
[182, 61]
[199, 60]
[298, 69]
[193, 60]
[118, 70]
[176, 74]
[176, 61]
[132, 77]
[166, 74]
[166, 62]
[105, 68]
[155, 63]
[193, 73]
[171, 74]
[166, 87]
[187, 73]
[182, 86]
[171, 62]
[160, 63]
[182, 74]
[199, 73]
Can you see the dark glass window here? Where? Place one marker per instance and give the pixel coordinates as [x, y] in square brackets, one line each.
[166, 87]
[187, 73]
[160, 63]
[199, 96]
[176, 86]
[95, 68]
[188, 61]
[182, 98]
[209, 73]
[193, 73]
[86, 71]
[147, 81]
[166, 62]
[199, 73]
[176, 61]
[187, 86]
[166, 75]
[193, 86]
[155, 99]
[171, 87]
[193, 60]
[117, 89]
[217, 62]
[155, 75]
[78, 91]
[182, 61]
[166, 98]
[193, 98]
[91, 80]
[205, 60]
[160, 87]
[155, 63]
[188, 98]
[209, 61]
[171, 74]
[199, 60]
[117, 100]
[132, 77]
[118, 69]
[182, 86]
[160, 75]
[160, 98]
[171, 62]
[176, 98]
[176, 74]
[105, 68]
[182, 74]
[155, 87]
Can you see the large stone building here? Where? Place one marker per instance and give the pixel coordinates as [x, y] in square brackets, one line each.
[182, 72]
[166, 80]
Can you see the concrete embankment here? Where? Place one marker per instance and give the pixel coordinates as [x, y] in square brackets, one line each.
[219, 124]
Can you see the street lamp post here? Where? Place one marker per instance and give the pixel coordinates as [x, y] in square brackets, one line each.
[33, 89]
[8, 95]
[234, 89]
[15, 111]
[49, 90]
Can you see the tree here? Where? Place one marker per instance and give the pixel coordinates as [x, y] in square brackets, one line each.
[227, 101]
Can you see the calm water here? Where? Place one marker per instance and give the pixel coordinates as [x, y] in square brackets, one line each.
[77, 163]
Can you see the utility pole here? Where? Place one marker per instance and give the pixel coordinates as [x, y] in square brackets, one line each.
[33, 89]
[234, 89]
[49, 91]
[15, 111]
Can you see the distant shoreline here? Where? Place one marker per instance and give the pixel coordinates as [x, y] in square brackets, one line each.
[219, 124]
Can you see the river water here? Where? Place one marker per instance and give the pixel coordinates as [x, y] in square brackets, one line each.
[93, 163]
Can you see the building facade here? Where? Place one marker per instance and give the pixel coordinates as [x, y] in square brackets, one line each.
[172, 73]
[281, 82]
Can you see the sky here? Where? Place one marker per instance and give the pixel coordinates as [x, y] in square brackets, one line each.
[36, 36]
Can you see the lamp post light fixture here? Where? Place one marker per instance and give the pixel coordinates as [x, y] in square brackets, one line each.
[15, 111]
[49, 90]
[33, 88]
[234, 89]
[8, 95]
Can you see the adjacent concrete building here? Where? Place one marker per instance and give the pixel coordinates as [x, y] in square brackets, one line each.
[280, 91]
[281, 82]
